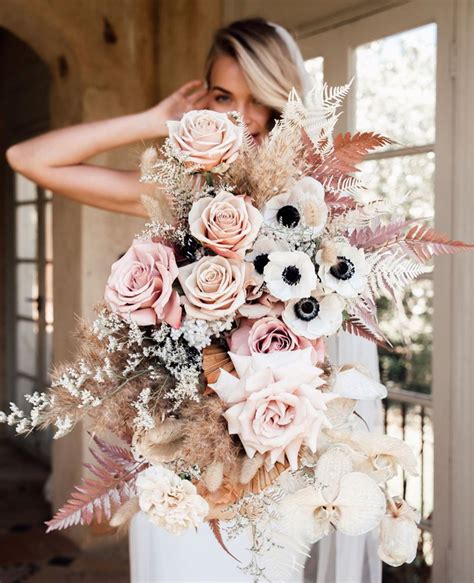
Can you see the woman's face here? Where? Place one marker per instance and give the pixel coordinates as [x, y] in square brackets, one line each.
[229, 91]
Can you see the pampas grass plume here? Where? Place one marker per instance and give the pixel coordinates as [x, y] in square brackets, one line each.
[250, 467]
[148, 159]
[125, 513]
[213, 476]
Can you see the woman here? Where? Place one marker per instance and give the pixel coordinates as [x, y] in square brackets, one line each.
[251, 67]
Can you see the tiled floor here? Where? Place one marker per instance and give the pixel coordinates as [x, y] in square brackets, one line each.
[27, 553]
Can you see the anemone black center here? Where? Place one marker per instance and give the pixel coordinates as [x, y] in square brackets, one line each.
[306, 309]
[260, 261]
[343, 269]
[291, 275]
[288, 216]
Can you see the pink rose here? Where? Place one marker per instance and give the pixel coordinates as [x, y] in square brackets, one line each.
[227, 224]
[140, 285]
[214, 287]
[275, 406]
[269, 335]
[258, 303]
[206, 139]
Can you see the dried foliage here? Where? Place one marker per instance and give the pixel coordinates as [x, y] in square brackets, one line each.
[363, 322]
[208, 442]
[391, 273]
[115, 393]
[423, 243]
[266, 171]
[99, 497]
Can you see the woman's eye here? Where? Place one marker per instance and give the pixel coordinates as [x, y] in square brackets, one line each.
[222, 98]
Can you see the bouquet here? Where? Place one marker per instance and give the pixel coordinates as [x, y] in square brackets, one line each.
[208, 361]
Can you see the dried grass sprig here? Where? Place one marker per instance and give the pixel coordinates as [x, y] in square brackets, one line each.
[207, 439]
[267, 171]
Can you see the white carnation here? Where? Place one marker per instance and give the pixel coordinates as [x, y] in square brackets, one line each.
[169, 501]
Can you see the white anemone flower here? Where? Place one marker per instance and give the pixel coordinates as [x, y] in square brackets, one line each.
[342, 268]
[315, 315]
[290, 275]
[261, 249]
[301, 206]
[399, 534]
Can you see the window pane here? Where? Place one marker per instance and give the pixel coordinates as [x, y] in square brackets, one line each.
[49, 231]
[49, 313]
[25, 190]
[403, 176]
[26, 347]
[26, 231]
[315, 69]
[27, 290]
[396, 93]
[24, 386]
[49, 348]
[408, 365]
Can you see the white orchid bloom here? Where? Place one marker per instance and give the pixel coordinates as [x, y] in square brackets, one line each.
[355, 382]
[399, 534]
[384, 454]
[342, 499]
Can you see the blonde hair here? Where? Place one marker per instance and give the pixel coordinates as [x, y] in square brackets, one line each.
[263, 56]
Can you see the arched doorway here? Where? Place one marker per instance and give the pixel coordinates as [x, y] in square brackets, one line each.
[26, 320]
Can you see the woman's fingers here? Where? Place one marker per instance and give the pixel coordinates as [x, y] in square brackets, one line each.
[197, 97]
[188, 88]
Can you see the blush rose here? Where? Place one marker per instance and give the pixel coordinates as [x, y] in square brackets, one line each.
[140, 285]
[269, 335]
[206, 139]
[275, 406]
[227, 224]
[214, 287]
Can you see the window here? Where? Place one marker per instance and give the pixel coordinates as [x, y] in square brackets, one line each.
[30, 289]
[392, 57]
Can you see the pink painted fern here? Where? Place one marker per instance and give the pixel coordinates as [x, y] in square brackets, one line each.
[115, 473]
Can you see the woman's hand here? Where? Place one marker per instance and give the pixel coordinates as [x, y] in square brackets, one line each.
[192, 95]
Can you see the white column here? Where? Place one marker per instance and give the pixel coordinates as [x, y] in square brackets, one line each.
[454, 305]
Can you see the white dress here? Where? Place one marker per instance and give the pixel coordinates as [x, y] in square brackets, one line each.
[339, 558]
[159, 557]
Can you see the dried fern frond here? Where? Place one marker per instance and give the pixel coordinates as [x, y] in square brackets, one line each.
[321, 115]
[371, 237]
[363, 321]
[423, 243]
[97, 498]
[343, 185]
[359, 328]
[349, 150]
[359, 217]
[391, 273]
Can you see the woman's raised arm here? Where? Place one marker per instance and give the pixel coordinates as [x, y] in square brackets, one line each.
[55, 160]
